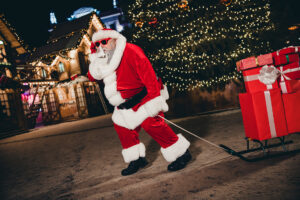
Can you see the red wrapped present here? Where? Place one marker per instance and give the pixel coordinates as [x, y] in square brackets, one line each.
[286, 59]
[290, 71]
[290, 86]
[289, 75]
[252, 62]
[287, 50]
[263, 114]
[261, 78]
[292, 111]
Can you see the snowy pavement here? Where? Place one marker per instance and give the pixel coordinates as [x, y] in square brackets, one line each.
[82, 160]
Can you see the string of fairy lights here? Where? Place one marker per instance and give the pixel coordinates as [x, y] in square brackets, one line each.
[191, 58]
[11, 28]
[52, 56]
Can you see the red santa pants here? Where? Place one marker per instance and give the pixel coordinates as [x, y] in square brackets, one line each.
[154, 126]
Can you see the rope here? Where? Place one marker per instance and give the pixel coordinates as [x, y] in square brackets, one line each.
[213, 144]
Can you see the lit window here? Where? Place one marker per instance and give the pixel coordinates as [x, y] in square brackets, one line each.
[1, 42]
[61, 67]
[44, 74]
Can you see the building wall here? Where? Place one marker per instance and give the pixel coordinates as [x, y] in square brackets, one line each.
[202, 100]
[74, 63]
[66, 74]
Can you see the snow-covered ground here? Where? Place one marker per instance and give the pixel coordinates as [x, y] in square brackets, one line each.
[82, 160]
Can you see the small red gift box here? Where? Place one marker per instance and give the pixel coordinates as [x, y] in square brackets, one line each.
[287, 50]
[290, 71]
[289, 75]
[290, 86]
[251, 62]
[286, 59]
[253, 81]
[292, 111]
[263, 114]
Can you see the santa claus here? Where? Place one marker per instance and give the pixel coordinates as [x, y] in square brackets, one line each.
[132, 86]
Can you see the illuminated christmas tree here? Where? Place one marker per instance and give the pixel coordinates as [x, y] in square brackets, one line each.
[196, 43]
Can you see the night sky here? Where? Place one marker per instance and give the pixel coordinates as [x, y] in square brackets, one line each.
[31, 18]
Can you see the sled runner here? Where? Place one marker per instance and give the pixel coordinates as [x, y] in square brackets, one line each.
[264, 148]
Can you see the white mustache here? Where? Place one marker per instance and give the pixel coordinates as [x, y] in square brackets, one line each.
[100, 52]
[101, 57]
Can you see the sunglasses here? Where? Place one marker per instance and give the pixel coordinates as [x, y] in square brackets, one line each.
[103, 42]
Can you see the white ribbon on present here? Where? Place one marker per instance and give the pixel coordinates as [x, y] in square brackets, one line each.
[282, 73]
[267, 75]
[296, 50]
[270, 113]
[284, 77]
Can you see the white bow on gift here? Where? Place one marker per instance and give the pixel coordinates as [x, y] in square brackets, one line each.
[268, 74]
[282, 73]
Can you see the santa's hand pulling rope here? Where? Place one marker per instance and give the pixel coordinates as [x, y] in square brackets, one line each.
[139, 97]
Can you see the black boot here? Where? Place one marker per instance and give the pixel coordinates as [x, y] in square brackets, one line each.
[180, 162]
[134, 166]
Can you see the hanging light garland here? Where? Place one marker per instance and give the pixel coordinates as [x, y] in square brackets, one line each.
[13, 30]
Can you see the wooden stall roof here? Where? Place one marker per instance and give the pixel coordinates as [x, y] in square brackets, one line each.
[8, 34]
[66, 28]
[64, 36]
[69, 42]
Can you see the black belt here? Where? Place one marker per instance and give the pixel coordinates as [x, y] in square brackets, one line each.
[134, 100]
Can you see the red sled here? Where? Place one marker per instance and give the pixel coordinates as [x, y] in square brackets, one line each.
[256, 118]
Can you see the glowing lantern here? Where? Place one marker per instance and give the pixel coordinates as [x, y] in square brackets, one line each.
[139, 24]
[226, 2]
[183, 4]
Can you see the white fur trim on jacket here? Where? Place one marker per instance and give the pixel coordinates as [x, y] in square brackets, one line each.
[110, 90]
[176, 150]
[131, 119]
[101, 70]
[134, 152]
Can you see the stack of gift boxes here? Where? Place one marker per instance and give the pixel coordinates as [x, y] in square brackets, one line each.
[271, 104]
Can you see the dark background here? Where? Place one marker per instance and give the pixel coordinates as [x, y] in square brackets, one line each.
[31, 18]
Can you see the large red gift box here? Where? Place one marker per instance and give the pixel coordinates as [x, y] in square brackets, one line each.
[287, 50]
[263, 114]
[254, 62]
[253, 83]
[292, 111]
[285, 59]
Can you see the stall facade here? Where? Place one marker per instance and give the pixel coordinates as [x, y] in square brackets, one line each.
[59, 71]
[12, 50]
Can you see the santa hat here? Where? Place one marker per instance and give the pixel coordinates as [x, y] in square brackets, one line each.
[106, 33]
[116, 57]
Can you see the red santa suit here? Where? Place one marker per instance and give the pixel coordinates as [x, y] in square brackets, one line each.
[125, 75]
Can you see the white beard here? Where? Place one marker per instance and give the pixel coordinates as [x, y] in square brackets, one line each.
[100, 63]
[109, 55]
